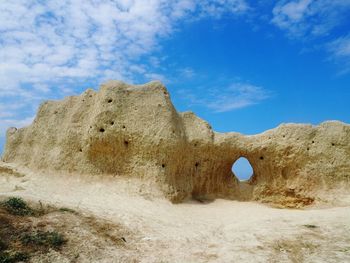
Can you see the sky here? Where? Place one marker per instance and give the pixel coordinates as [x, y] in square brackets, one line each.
[242, 65]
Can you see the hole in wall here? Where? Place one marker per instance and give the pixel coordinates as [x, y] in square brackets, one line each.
[163, 165]
[284, 173]
[242, 169]
[126, 142]
[112, 122]
[333, 144]
[110, 100]
[102, 130]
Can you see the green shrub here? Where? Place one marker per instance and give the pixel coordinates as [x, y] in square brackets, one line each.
[13, 257]
[44, 238]
[3, 245]
[17, 206]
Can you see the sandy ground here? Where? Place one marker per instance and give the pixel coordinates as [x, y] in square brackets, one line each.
[158, 231]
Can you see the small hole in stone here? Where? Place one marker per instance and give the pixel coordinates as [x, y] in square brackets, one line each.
[163, 165]
[110, 100]
[313, 141]
[126, 143]
[197, 164]
[90, 96]
[80, 150]
[55, 112]
[307, 148]
[165, 93]
[261, 158]
[297, 139]
[102, 130]
[112, 122]
[284, 136]
[333, 144]
[242, 169]
[195, 145]
[123, 126]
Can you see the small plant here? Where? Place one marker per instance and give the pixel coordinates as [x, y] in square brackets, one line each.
[16, 206]
[57, 239]
[44, 238]
[310, 226]
[13, 257]
[68, 210]
[3, 245]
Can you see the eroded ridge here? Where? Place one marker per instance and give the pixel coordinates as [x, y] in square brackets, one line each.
[135, 131]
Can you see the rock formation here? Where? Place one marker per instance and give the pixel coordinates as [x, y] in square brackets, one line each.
[135, 131]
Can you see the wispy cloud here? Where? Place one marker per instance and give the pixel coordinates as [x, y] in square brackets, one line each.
[340, 52]
[48, 47]
[309, 18]
[316, 20]
[235, 96]
[48, 41]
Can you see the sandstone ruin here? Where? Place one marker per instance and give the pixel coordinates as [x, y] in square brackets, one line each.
[135, 131]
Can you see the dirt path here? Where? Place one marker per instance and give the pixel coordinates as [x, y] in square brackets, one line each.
[220, 231]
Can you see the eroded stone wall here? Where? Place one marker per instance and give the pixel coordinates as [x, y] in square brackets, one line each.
[135, 131]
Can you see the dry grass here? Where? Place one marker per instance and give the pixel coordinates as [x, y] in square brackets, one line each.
[53, 234]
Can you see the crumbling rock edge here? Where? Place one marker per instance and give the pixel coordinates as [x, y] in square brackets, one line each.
[135, 131]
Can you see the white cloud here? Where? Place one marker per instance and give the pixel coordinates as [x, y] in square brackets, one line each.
[340, 52]
[341, 47]
[291, 12]
[217, 8]
[235, 96]
[49, 41]
[47, 47]
[317, 20]
[310, 18]
[187, 73]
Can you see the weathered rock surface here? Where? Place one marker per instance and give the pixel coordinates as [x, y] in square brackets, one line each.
[135, 131]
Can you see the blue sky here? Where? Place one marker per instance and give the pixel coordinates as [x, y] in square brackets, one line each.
[242, 65]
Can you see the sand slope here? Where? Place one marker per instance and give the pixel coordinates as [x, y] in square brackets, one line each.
[159, 231]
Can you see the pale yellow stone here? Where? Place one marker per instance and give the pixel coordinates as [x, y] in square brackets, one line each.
[135, 131]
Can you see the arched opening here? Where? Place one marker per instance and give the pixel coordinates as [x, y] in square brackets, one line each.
[242, 169]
